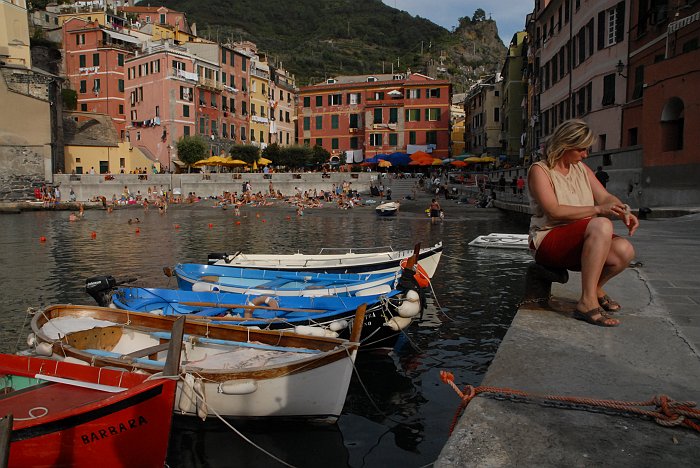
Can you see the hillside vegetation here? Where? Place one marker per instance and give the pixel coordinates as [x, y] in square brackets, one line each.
[316, 39]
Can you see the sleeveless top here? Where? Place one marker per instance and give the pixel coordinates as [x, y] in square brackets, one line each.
[573, 189]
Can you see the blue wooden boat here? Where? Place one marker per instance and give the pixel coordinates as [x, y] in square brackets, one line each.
[386, 314]
[200, 277]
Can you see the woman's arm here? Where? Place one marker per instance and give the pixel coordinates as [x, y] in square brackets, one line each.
[603, 198]
[543, 192]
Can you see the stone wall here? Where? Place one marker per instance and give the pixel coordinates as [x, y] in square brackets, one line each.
[21, 169]
[88, 186]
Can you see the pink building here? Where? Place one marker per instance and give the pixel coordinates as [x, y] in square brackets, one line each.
[161, 89]
[158, 15]
[94, 65]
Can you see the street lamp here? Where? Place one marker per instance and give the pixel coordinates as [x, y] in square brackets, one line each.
[620, 67]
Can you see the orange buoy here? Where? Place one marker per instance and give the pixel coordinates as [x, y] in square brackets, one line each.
[264, 221]
[211, 225]
[138, 230]
[238, 223]
[42, 239]
[177, 226]
[289, 217]
[93, 234]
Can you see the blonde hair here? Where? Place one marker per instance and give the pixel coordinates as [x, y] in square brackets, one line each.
[570, 134]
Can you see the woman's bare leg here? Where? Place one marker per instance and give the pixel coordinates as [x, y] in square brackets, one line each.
[597, 242]
[620, 255]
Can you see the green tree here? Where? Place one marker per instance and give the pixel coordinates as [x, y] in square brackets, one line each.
[319, 156]
[479, 15]
[295, 156]
[272, 152]
[191, 149]
[70, 99]
[247, 153]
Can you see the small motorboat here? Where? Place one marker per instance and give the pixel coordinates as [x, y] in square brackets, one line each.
[199, 277]
[501, 241]
[359, 260]
[387, 208]
[72, 414]
[228, 370]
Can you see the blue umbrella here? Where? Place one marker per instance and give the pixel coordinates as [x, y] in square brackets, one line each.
[398, 159]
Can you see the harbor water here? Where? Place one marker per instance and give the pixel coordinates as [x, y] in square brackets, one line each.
[397, 412]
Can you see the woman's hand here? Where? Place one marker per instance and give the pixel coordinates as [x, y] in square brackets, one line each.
[611, 209]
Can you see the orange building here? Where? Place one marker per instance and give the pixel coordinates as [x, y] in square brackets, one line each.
[362, 116]
[94, 65]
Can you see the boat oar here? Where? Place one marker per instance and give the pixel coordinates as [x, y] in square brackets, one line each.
[246, 306]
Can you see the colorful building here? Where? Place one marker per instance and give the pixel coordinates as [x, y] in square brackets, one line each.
[482, 109]
[362, 116]
[513, 117]
[94, 58]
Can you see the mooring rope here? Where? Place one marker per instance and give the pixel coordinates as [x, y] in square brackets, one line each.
[667, 412]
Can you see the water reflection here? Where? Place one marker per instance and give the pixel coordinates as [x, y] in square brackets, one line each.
[397, 412]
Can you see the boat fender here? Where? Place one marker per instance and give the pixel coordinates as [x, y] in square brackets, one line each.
[112, 306]
[186, 402]
[309, 330]
[238, 387]
[421, 276]
[201, 286]
[265, 300]
[410, 306]
[375, 291]
[31, 340]
[44, 349]
[156, 312]
[338, 325]
[201, 399]
[330, 333]
[398, 323]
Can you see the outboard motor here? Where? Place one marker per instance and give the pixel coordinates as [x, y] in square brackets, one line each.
[101, 288]
[214, 257]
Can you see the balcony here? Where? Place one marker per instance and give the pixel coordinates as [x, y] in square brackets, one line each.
[184, 75]
[210, 84]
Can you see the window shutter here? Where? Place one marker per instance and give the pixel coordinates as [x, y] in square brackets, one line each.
[601, 29]
[620, 26]
[340, 99]
[406, 116]
[427, 114]
[329, 100]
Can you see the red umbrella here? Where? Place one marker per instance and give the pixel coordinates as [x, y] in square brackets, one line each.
[459, 163]
[420, 155]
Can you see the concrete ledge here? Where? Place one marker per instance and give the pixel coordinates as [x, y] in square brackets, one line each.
[548, 352]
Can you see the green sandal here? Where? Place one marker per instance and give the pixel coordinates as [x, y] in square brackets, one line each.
[608, 304]
[596, 316]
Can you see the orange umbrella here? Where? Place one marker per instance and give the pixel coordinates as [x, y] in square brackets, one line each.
[419, 155]
[459, 163]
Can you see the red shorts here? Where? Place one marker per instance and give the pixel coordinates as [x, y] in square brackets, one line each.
[562, 246]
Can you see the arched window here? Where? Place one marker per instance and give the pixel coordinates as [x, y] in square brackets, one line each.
[672, 125]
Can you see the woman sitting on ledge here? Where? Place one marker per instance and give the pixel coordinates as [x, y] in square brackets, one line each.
[571, 226]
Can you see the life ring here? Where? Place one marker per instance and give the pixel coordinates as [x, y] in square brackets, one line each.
[265, 301]
[421, 276]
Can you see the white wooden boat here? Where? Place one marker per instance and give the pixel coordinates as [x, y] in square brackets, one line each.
[232, 371]
[501, 241]
[387, 208]
[333, 260]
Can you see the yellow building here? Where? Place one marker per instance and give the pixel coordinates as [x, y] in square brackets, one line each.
[457, 137]
[14, 33]
[259, 94]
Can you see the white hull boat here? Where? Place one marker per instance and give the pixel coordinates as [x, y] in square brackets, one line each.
[348, 261]
[229, 371]
[387, 208]
[501, 241]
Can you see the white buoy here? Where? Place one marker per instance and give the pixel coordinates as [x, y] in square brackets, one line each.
[338, 325]
[201, 399]
[186, 403]
[410, 306]
[44, 349]
[314, 331]
[238, 387]
[31, 340]
[201, 286]
[398, 323]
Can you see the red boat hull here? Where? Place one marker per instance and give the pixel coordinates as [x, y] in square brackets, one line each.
[67, 425]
